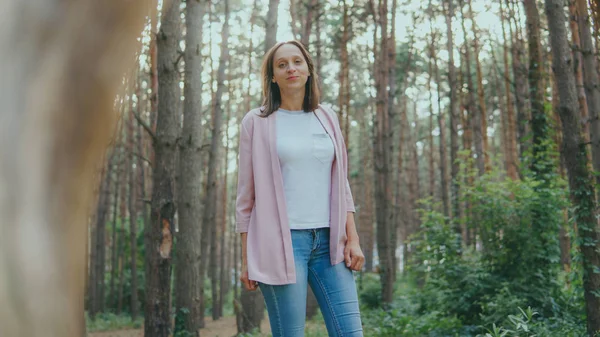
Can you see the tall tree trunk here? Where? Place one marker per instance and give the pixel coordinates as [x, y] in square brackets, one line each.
[99, 262]
[366, 228]
[116, 183]
[580, 179]
[318, 45]
[590, 80]
[308, 23]
[213, 257]
[159, 232]
[474, 110]
[578, 65]
[391, 113]
[210, 202]
[414, 186]
[541, 163]
[188, 315]
[381, 160]
[443, 147]
[271, 21]
[482, 111]
[454, 113]
[344, 85]
[430, 167]
[133, 211]
[520, 80]
[512, 158]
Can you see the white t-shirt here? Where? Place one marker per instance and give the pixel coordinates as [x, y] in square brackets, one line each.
[306, 154]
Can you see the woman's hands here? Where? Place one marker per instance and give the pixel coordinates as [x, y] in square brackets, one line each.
[249, 284]
[353, 255]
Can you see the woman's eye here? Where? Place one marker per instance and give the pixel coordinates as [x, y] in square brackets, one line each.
[281, 65]
[298, 61]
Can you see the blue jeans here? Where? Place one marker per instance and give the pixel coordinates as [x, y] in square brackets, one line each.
[333, 287]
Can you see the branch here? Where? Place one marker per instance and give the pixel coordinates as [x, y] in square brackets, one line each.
[144, 125]
[135, 154]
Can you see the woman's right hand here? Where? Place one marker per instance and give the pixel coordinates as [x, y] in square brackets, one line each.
[249, 284]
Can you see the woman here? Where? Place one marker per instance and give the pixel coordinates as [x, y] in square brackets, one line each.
[294, 206]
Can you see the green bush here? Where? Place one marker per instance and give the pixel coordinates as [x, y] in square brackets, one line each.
[110, 321]
[369, 292]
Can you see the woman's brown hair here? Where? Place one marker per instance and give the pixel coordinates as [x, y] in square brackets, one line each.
[271, 93]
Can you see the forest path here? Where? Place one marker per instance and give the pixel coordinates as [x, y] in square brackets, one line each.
[224, 327]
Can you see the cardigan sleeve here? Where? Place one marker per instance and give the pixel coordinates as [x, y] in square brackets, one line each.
[245, 185]
[349, 199]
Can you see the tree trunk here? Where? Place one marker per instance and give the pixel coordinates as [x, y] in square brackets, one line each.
[381, 145]
[482, 111]
[188, 315]
[578, 65]
[512, 158]
[213, 257]
[210, 202]
[115, 178]
[248, 320]
[312, 6]
[133, 213]
[271, 28]
[99, 263]
[474, 110]
[590, 80]
[580, 179]
[454, 114]
[50, 151]
[344, 85]
[159, 232]
[521, 89]
[443, 147]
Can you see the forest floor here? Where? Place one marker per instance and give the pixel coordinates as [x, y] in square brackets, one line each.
[224, 327]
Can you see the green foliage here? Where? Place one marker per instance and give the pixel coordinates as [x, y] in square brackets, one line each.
[369, 293]
[110, 321]
[524, 324]
[111, 299]
[516, 263]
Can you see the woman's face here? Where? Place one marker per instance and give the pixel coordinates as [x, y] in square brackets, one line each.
[290, 70]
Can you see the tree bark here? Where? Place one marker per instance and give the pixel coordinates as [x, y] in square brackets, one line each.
[115, 179]
[344, 85]
[580, 179]
[188, 315]
[159, 232]
[381, 154]
[208, 217]
[520, 80]
[134, 195]
[590, 80]
[473, 109]
[442, 147]
[512, 158]
[454, 113]
[271, 36]
[99, 261]
[578, 66]
[482, 111]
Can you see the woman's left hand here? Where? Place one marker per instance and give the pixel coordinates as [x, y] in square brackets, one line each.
[353, 255]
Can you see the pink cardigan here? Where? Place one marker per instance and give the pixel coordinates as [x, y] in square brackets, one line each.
[260, 204]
